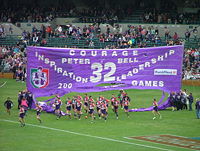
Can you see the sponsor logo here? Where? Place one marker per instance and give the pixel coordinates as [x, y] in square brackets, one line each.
[165, 72]
[172, 140]
[39, 77]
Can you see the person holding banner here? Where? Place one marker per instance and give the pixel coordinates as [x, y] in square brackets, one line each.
[155, 109]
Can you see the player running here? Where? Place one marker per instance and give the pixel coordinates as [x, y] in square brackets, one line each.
[58, 104]
[98, 107]
[69, 108]
[74, 106]
[112, 100]
[116, 106]
[8, 104]
[21, 116]
[155, 109]
[121, 95]
[39, 110]
[126, 104]
[91, 110]
[104, 110]
[78, 108]
[86, 103]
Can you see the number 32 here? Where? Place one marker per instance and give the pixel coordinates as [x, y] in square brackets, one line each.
[99, 68]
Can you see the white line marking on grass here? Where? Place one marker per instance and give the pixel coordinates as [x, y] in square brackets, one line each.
[3, 84]
[87, 135]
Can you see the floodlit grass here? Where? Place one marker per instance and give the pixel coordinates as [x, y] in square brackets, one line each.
[31, 138]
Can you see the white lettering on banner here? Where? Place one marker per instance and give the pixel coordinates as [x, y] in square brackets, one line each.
[94, 53]
[148, 64]
[126, 60]
[75, 61]
[99, 68]
[60, 70]
[72, 52]
[65, 85]
[143, 83]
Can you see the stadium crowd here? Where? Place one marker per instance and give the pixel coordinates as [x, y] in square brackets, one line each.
[135, 36]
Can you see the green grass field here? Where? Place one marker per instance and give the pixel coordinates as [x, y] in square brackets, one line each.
[75, 135]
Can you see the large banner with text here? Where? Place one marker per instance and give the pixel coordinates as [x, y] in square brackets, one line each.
[53, 71]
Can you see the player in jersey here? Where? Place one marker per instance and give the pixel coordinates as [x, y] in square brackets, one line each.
[58, 104]
[116, 106]
[91, 110]
[78, 108]
[112, 100]
[69, 107]
[86, 103]
[79, 97]
[155, 109]
[39, 110]
[74, 106]
[98, 107]
[106, 102]
[121, 95]
[21, 116]
[126, 104]
[104, 110]
[8, 104]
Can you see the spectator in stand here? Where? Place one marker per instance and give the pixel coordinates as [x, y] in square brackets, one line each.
[167, 31]
[187, 35]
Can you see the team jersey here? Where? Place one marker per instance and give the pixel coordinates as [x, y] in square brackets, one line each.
[113, 99]
[126, 103]
[21, 110]
[68, 103]
[155, 103]
[91, 106]
[101, 98]
[116, 103]
[91, 100]
[78, 103]
[103, 106]
[86, 99]
[79, 97]
[98, 103]
[58, 102]
[39, 109]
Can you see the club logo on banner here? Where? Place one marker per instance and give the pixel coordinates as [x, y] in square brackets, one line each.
[39, 77]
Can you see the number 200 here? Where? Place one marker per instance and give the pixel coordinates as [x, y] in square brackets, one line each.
[99, 68]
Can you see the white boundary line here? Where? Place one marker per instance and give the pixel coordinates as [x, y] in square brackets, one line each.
[87, 135]
[3, 84]
[157, 142]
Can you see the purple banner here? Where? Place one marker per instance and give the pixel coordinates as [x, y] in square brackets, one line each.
[53, 71]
